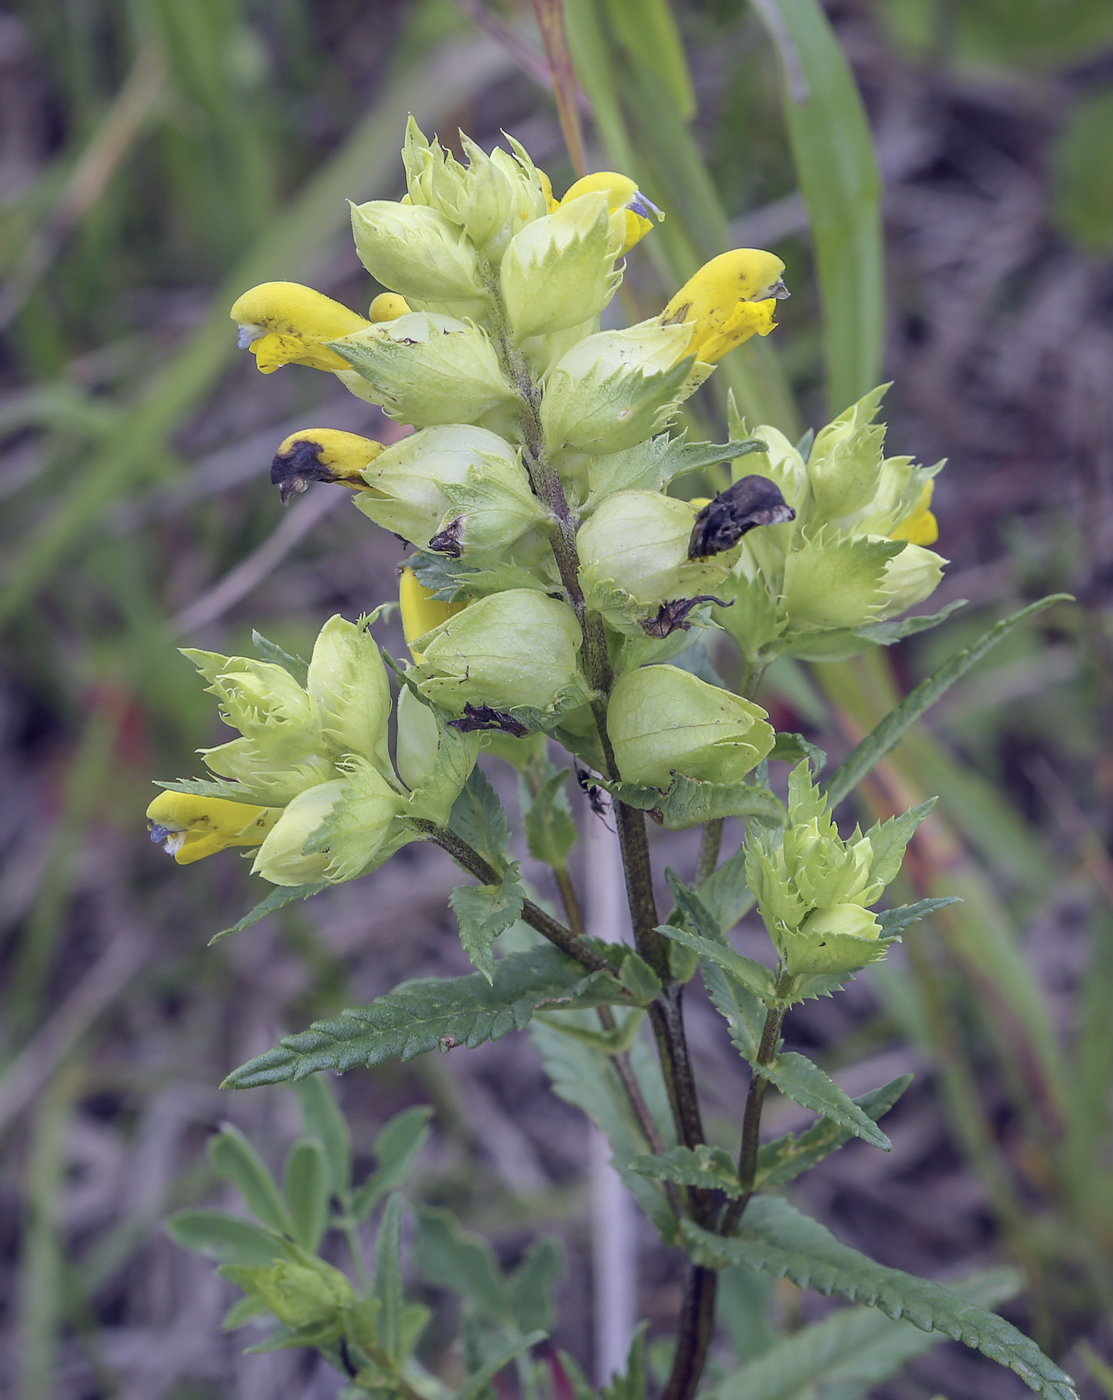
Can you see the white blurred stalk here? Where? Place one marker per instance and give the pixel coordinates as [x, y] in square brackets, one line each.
[614, 1274]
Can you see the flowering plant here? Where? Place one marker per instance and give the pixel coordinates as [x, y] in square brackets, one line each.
[557, 594]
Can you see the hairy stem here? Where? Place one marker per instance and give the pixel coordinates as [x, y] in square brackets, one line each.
[710, 843]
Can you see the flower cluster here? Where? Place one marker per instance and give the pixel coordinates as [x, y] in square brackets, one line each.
[554, 580]
[814, 890]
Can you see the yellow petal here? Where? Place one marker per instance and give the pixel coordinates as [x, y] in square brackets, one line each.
[421, 611]
[322, 454]
[285, 323]
[730, 299]
[622, 195]
[920, 527]
[191, 827]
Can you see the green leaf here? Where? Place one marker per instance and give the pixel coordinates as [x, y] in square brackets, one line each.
[529, 1287]
[321, 1119]
[476, 1384]
[639, 979]
[873, 748]
[725, 894]
[1082, 165]
[889, 839]
[886, 633]
[585, 1076]
[708, 1167]
[753, 975]
[396, 1146]
[225, 1238]
[895, 921]
[279, 896]
[805, 1083]
[550, 830]
[479, 819]
[431, 1013]
[785, 1158]
[272, 652]
[449, 1257]
[483, 912]
[744, 1010]
[836, 167]
[853, 1346]
[647, 31]
[630, 1385]
[243, 1312]
[307, 1192]
[792, 748]
[223, 788]
[234, 1158]
[683, 457]
[690, 802]
[388, 1279]
[778, 1239]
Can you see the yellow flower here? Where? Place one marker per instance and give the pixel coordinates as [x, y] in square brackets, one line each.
[730, 299]
[622, 194]
[322, 454]
[284, 323]
[421, 611]
[189, 827]
[920, 527]
[551, 202]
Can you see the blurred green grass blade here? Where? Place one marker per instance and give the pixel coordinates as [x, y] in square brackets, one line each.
[647, 30]
[366, 164]
[837, 170]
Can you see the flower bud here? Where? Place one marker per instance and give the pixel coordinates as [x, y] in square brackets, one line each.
[304, 1297]
[616, 389]
[662, 720]
[410, 481]
[348, 680]
[835, 581]
[910, 576]
[284, 323]
[629, 209]
[559, 270]
[190, 827]
[516, 648]
[730, 299]
[281, 858]
[415, 251]
[388, 306]
[322, 454]
[846, 460]
[433, 759]
[846, 920]
[419, 737]
[426, 368]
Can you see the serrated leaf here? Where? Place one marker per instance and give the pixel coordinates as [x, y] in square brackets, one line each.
[744, 1010]
[753, 975]
[432, 1013]
[223, 788]
[895, 921]
[550, 830]
[476, 1384]
[792, 748]
[234, 1158]
[272, 652]
[639, 979]
[322, 1120]
[307, 1185]
[690, 802]
[445, 576]
[529, 1287]
[778, 1239]
[806, 1084]
[886, 633]
[278, 897]
[683, 457]
[449, 1256]
[725, 894]
[225, 1238]
[785, 1158]
[888, 841]
[853, 1346]
[692, 907]
[482, 913]
[708, 1167]
[885, 737]
[396, 1146]
[388, 1279]
[478, 817]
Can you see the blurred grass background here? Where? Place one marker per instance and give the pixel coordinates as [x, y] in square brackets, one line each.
[938, 176]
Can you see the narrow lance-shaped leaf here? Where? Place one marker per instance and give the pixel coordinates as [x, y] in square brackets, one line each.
[778, 1239]
[323, 1120]
[307, 1192]
[873, 748]
[804, 1082]
[787, 1157]
[388, 1279]
[234, 1158]
[396, 1146]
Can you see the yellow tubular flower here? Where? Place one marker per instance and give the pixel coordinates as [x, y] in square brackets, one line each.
[622, 194]
[921, 527]
[284, 323]
[421, 611]
[551, 202]
[322, 454]
[388, 306]
[730, 299]
[190, 828]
